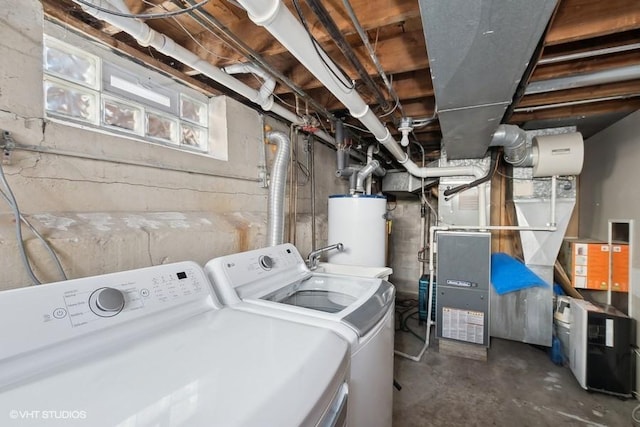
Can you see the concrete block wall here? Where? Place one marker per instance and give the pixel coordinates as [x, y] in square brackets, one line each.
[404, 243]
[110, 203]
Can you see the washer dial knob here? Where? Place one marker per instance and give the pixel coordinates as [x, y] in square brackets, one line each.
[266, 262]
[109, 300]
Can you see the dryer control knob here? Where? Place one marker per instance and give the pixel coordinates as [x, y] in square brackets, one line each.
[109, 299]
[266, 262]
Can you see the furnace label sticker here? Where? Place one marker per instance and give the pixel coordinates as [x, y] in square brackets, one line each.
[463, 325]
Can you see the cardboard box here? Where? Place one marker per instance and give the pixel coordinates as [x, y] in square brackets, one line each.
[620, 265]
[586, 262]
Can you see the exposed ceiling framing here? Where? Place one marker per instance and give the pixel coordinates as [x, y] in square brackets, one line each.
[583, 36]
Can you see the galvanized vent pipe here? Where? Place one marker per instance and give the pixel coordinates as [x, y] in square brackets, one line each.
[514, 141]
[621, 74]
[275, 204]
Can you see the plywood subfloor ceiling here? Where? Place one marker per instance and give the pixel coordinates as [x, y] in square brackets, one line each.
[583, 37]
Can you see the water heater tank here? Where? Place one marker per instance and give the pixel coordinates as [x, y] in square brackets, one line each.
[359, 223]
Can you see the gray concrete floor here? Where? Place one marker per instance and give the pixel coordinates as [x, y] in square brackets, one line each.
[517, 386]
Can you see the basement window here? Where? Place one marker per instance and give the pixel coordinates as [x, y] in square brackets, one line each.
[93, 87]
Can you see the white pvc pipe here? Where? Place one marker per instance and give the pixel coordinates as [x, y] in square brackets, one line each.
[280, 22]
[364, 174]
[370, 150]
[120, 5]
[146, 36]
[554, 192]
[268, 84]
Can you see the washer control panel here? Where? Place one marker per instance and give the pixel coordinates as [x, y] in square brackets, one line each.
[260, 268]
[45, 314]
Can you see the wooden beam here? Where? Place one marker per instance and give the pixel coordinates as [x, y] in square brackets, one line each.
[409, 87]
[372, 17]
[413, 85]
[590, 92]
[583, 19]
[588, 45]
[53, 11]
[583, 110]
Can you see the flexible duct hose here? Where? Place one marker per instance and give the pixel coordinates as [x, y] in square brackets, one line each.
[275, 209]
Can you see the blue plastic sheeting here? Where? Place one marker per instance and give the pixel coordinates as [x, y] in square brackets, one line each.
[510, 275]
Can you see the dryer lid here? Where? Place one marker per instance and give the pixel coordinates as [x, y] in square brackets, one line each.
[225, 368]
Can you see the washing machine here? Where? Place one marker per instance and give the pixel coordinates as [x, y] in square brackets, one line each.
[154, 347]
[275, 281]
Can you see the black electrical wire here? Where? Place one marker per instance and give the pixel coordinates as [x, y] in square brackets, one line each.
[341, 42]
[317, 47]
[403, 318]
[144, 15]
[407, 309]
[492, 169]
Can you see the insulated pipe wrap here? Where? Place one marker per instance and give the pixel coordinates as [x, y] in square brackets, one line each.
[275, 208]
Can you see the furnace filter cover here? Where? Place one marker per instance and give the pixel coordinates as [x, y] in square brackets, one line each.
[558, 154]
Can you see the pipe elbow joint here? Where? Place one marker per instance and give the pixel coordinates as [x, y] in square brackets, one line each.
[509, 136]
[267, 103]
[360, 114]
[404, 160]
[264, 14]
[146, 37]
[478, 172]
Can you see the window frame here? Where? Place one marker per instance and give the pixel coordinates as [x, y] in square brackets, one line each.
[108, 64]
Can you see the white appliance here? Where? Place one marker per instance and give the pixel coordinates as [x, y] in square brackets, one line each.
[360, 223]
[601, 348]
[153, 347]
[275, 281]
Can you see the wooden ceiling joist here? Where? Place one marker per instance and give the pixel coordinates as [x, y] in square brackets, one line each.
[584, 19]
[386, 13]
[397, 55]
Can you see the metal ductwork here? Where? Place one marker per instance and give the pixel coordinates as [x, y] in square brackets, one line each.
[514, 141]
[478, 52]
